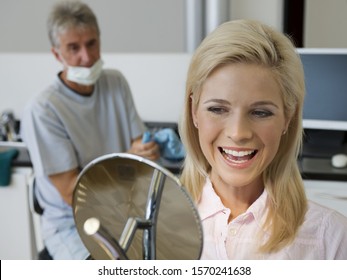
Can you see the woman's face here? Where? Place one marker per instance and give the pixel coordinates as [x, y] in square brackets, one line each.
[240, 119]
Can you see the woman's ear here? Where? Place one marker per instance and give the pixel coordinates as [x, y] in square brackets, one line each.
[193, 110]
[286, 125]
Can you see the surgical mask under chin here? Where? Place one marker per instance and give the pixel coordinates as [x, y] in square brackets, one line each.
[85, 75]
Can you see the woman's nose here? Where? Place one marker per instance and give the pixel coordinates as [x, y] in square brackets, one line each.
[239, 129]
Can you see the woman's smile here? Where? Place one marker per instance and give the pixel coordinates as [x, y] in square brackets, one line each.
[236, 157]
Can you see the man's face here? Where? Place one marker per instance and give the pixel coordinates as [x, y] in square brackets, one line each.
[79, 47]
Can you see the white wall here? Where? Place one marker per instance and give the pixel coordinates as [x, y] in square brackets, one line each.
[157, 80]
[159, 25]
[325, 24]
[127, 26]
[267, 11]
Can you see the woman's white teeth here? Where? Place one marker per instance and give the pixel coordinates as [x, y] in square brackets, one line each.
[238, 153]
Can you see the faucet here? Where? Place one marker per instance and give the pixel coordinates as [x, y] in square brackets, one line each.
[8, 127]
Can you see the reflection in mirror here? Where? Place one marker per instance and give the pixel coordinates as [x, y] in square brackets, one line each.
[127, 207]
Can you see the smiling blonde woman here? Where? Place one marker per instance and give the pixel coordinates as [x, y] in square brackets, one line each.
[242, 129]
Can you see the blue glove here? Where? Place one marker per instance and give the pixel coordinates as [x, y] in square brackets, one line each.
[170, 145]
[146, 137]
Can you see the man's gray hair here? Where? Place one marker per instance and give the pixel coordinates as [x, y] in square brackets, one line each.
[69, 14]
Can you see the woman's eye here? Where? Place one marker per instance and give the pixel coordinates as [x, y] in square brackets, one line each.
[217, 110]
[262, 113]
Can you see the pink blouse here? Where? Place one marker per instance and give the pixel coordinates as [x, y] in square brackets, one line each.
[323, 235]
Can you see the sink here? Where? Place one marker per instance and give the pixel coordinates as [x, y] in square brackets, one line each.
[23, 158]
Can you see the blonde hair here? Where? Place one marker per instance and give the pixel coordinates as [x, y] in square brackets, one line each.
[248, 41]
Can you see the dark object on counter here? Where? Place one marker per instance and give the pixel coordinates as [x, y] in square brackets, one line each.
[6, 158]
[9, 127]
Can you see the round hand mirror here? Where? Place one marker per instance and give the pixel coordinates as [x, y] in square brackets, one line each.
[128, 207]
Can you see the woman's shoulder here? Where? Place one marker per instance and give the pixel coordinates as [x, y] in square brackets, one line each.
[325, 216]
[327, 229]
[321, 223]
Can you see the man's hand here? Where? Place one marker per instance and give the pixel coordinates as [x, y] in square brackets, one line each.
[148, 150]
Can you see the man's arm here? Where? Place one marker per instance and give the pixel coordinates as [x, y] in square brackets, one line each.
[65, 184]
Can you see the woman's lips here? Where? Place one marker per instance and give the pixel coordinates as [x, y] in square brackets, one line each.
[238, 156]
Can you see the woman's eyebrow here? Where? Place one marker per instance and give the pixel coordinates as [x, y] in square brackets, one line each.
[257, 103]
[265, 102]
[217, 100]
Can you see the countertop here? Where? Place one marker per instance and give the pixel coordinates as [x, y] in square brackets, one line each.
[321, 169]
[23, 158]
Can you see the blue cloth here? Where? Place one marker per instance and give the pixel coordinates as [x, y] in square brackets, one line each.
[170, 145]
[6, 158]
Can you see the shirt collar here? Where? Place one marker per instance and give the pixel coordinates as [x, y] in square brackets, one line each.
[210, 204]
[74, 95]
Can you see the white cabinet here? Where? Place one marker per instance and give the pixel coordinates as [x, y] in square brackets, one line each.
[17, 239]
[332, 194]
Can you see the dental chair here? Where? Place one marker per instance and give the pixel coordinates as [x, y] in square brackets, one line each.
[37, 211]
